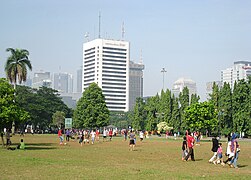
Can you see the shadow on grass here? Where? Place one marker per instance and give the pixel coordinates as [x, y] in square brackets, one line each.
[198, 159]
[242, 166]
[39, 148]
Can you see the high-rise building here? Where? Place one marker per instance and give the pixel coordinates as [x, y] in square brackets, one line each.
[41, 79]
[63, 82]
[106, 62]
[179, 85]
[240, 70]
[79, 80]
[135, 82]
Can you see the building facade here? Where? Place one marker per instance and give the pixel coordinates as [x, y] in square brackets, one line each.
[79, 80]
[179, 85]
[135, 83]
[106, 62]
[63, 82]
[240, 70]
[41, 79]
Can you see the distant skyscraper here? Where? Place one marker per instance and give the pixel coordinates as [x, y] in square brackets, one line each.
[41, 79]
[79, 80]
[135, 82]
[63, 82]
[179, 85]
[106, 62]
[240, 70]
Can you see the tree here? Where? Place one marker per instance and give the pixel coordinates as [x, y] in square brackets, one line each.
[241, 106]
[58, 118]
[175, 121]
[138, 121]
[184, 103]
[151, 113]
[225, 109]
[9, 110]
[163, 126]
[194, 99]
[16, 65]
[91, 110]
[41, 104]
[201, 117]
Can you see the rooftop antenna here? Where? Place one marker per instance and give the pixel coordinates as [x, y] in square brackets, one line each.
[99, 19]
[123, 31]
[141, 58]
[87, 36]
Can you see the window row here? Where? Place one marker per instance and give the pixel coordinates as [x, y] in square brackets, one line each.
[115, 49]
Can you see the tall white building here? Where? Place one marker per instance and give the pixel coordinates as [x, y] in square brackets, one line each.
[106, 62]
[179, 85]
[240, 70]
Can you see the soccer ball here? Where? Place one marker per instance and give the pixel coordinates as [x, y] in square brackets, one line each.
[65, 143]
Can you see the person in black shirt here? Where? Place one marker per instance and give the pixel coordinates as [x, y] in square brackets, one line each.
[184, 148]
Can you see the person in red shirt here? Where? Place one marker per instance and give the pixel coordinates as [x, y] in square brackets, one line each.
[97, 135]
[60, 136]
[110, 134]
[190, 144]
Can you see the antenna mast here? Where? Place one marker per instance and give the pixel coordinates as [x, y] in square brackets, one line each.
[99, 19]
[123, 31]
[141, 58]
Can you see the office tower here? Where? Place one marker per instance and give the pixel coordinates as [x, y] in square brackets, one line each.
[63, 82]
[179, 85]
[79, 80]
[106, 62]
[41, 79]
[135, 83]
[240, 70]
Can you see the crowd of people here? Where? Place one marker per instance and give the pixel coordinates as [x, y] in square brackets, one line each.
[190, 139]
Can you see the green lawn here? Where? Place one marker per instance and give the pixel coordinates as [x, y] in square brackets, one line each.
[154, 158]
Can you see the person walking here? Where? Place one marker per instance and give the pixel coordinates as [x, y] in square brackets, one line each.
[215, 145]
[132, 138]
[60, 135]
[235, 148]
[190, 145]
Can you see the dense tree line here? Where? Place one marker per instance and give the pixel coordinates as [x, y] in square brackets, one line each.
[224, 112]
[41, 104]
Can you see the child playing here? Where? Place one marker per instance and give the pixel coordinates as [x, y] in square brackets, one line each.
[219, 158]
[21, 145]
[184, 148]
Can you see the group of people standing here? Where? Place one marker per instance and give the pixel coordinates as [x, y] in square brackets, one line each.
[232, 151]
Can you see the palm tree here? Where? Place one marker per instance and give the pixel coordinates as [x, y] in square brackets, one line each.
[16, 68]
[16, 65]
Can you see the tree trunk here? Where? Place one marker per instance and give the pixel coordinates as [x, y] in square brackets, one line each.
[2, 139]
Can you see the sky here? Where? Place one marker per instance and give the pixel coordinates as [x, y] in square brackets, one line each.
[194, 39]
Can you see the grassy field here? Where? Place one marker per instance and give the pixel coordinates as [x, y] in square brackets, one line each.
[154, 158]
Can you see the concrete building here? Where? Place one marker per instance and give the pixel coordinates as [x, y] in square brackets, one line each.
[106, 62]
[240, 70]
[79, 80]
[63, 82]
[179, 85]
[41, 79]
[135, 83]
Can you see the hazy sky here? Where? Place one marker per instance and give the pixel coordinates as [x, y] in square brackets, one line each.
[190, 38]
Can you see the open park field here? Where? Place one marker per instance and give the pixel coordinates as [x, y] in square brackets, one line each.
[154, 158]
